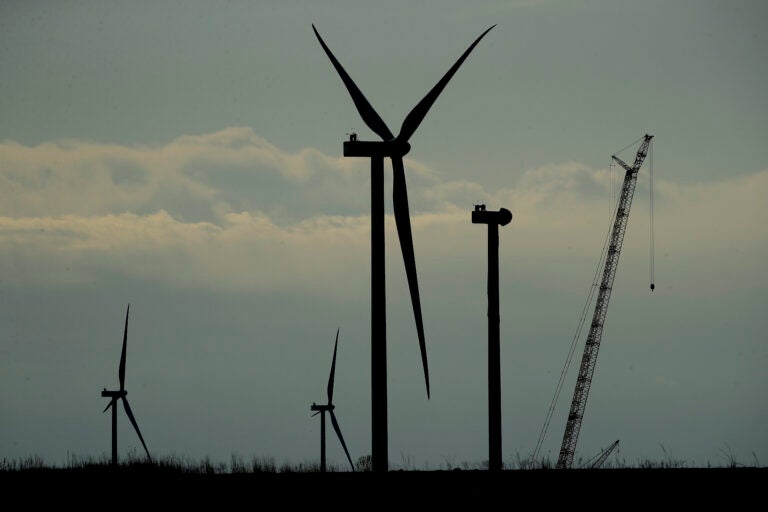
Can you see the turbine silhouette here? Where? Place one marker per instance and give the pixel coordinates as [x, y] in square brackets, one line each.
[494, 220]
[329, 407]
[394, 148]
[121, 394]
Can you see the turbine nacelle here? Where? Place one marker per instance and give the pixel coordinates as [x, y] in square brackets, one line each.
[483, 216]
[374, 148]
[321, 407]
[114, 394]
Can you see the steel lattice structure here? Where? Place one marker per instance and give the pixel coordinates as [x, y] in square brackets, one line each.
[592, 345]
[603, 456]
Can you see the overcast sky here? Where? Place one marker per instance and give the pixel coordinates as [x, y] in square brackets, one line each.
[186, 157]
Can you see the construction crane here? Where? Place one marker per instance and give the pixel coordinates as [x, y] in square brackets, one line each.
[600, 458]
[592, 345]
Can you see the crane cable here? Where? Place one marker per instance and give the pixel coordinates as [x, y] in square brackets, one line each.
[652, 248]
[629, 146]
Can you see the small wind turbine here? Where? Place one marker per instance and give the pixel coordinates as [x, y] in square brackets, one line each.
[115, 395]
[393, 148]
[329, 407]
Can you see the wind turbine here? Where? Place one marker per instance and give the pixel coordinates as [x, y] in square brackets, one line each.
[115, 395]
[329, 407]
[394, 148]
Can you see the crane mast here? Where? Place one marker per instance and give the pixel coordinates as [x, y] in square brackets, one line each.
[592, 345]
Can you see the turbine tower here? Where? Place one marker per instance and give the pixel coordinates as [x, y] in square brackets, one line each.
[121, 394]
[394, 148]
[494, 220]
[329, 407]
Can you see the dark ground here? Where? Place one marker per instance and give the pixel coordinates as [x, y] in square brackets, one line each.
[603, 488]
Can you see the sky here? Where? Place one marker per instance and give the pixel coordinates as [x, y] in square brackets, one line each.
[186, 158]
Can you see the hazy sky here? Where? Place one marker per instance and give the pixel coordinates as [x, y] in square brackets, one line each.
[186, 157]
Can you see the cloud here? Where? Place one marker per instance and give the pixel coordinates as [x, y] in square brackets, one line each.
[229, 210]
[193, 177]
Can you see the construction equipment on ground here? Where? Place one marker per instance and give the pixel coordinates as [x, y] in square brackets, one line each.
[597, 461]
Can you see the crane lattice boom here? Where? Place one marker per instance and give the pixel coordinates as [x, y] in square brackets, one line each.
[603, 456]
[592, 345]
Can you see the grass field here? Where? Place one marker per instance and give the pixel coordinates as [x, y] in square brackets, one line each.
[178, 481]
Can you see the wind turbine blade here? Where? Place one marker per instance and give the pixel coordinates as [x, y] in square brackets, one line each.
[416, 116]
[122, 355]
[369, 115]
[403, 222]
[313, 415]
[110, 404]
[333, 370]
[341, 438]
[135, 425]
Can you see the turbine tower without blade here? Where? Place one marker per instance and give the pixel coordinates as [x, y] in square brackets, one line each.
[394, 148]
[493, 220]
[329, 407]
[121, 394]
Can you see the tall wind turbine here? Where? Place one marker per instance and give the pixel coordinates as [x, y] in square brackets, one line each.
[394, 148]
[329, 407]
[115, 395]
